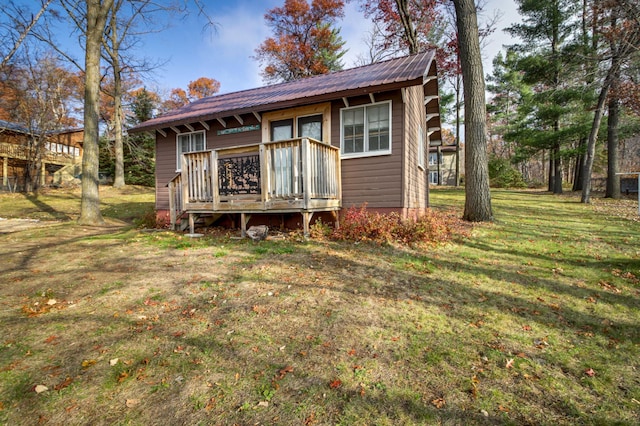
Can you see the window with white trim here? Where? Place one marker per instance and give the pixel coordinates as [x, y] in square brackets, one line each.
[365, 130]
[433, 158]
[433, 177]
[188, 142]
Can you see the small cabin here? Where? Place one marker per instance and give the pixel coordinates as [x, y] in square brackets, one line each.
[286, 153]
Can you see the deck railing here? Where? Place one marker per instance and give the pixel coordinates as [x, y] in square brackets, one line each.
[22, 152]
[294, 175]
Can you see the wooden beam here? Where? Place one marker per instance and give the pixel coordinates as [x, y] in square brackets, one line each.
[190, 127]
[205, 125]
[432, 130]
[373, 99]
[162, 132]
[257, 116]
[222, 122]
[432, 116]
[175, 129]
[404, 95]
[430, 98]
[346, 101]
[240, 120]
[428, 79]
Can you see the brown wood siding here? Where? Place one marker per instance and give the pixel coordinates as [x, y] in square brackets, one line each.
[166, 150]
[416, 179]
[375, 180]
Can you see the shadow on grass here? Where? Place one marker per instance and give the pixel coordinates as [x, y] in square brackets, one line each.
[47, 208]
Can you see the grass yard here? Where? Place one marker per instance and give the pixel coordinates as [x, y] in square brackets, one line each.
[534, 319]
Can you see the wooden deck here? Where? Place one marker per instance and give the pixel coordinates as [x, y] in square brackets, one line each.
[299, 175]
[21, 152]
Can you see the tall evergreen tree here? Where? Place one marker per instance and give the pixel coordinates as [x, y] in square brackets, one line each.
[549, 64]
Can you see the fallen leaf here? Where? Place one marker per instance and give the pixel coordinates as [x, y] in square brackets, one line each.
[132, 402]
[438, 402]
[351, 352]
[263, 404]
[509, 363]
[113, 361]
[335, 384]
[283, 372]
[526, 327]
[50, 339]
[51, 302]
[88, 363]
[66, 382]
[503, 408]
[123, 376]
[589, 372]
[41, 388]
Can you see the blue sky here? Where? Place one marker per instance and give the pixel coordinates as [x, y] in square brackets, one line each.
[226, 55]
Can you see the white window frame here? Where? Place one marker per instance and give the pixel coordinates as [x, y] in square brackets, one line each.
[433, 175]
[179, 154]
[437, 157]
[366, 152]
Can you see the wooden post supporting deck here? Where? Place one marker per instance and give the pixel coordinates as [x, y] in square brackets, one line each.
[244, 219]
[5, 171]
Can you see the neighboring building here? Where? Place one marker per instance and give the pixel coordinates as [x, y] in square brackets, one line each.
[442, 165]
[310, 146]
[60, 152]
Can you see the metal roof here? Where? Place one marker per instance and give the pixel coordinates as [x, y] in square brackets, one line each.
[392, 74]
[18, 128]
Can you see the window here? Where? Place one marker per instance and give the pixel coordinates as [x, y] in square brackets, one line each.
[310, 127]
[366, 130]
[433, 158]
[433, 178]
[188, 142]
[281, 130]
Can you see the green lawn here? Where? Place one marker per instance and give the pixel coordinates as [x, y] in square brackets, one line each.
[534, 319]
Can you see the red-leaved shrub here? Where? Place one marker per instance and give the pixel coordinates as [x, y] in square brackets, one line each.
[432, 227]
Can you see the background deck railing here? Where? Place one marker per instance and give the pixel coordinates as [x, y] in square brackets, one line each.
[26, 153]
[294, 175]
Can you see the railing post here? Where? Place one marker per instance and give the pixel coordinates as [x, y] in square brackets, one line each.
[185, 182]
[215, 191]
[265, 175]
[306, 172]
[172, 204]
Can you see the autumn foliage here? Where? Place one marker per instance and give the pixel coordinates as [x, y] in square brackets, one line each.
[304, 43]
[361, 225]
[197, 89]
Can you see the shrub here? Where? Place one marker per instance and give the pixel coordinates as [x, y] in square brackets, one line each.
[358, 224]
[502, 174]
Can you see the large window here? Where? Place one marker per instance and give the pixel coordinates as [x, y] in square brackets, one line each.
[366, 130]
[188, 142]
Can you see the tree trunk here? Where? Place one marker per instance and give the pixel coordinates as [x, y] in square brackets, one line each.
[118, 181]
[613, 180]
[477, 206]
[90, 200]
[579, 169]
[557, 170]
[457, 129]
[593, 137]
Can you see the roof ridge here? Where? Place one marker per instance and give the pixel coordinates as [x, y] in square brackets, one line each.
[306, 79]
